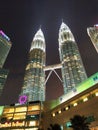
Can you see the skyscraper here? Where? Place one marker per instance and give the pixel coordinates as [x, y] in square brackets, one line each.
[73, 71]
[5, 45]
[93, 34]
[3, 77]
[34, 80]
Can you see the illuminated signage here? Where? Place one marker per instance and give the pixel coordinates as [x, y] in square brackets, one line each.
[4, 35]
[90, 82]
[1, 110]
[96, 25]
[23, 99]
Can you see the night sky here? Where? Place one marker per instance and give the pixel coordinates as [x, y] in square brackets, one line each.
[20, 20]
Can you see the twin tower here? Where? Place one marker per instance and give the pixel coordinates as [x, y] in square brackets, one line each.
[72, 68]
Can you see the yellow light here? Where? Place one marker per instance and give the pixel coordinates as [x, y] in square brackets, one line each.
[75, 104]
[85, 99]
[33, 107]
[66, 108]
[59, 111]
[6, 123]
[53, 114]
[96, 93]
[32, 123]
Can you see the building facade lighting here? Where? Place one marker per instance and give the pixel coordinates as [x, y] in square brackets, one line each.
[73, 71]
[75, 104]
[67, 108]
[53, 114]
[96, 93]
[85, 99]
[59, 111]
[34, 79]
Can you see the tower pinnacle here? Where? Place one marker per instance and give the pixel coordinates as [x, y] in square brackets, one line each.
[38, 41]
[65, 33]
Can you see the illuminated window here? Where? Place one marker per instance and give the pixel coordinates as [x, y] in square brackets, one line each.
[33, 112]
[34, 107]
[75, 57]
[19, 116]
[34, 65]
[8, 116]
[28, 67]
[32, 123]
[20, 109]
[8, 110]
[32, 129]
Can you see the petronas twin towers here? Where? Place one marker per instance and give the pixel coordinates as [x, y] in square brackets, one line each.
[72, 69]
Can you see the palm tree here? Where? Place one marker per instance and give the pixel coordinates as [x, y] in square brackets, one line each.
[79, 123]
[54, 127]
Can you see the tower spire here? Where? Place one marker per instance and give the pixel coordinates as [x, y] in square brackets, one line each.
[40, 26]
[39, 36]
[62, 20]
[65, 33]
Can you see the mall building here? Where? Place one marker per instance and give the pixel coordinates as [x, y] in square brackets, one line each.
[39, 115]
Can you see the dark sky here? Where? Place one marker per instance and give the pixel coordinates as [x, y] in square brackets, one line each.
[20, 19]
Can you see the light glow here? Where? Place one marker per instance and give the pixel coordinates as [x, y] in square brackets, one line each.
[1, 110]
[53, 114]
[38, 41]
[96, 25]
[85, 99]
[4, 35]
[59, 111]
[32, 123]
[66, 108]
[75, 104]
[20, 109]
[96, 93]
[22, 99]
[33, 108]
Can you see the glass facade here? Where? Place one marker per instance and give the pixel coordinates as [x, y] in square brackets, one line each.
[5, 45]
[3, 77]
[93, 34]
[73, 71]
[34, 80]
[21, 117]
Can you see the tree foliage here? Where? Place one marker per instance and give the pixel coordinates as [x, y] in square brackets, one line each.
[54, 127]
[79, 123]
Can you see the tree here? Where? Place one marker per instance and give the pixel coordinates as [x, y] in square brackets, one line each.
[79, 123]
[54, 127]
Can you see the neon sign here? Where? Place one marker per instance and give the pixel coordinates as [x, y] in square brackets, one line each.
[4, 35]
[23, 99]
